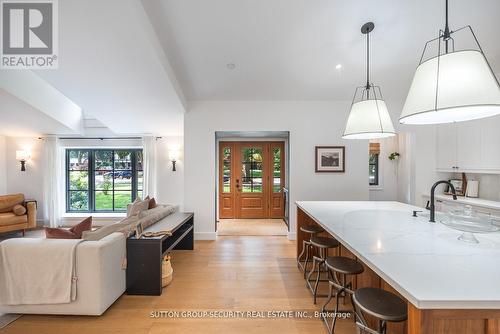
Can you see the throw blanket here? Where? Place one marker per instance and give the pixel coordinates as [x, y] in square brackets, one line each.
[38, 271]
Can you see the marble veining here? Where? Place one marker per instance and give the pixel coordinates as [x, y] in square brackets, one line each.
[423, 261]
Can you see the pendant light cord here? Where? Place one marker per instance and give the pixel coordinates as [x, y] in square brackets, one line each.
[368, 65]
[446, 35]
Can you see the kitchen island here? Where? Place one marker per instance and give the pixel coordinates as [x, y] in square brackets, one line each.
[450, 286]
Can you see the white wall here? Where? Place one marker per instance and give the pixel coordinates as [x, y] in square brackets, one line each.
[170, 186]
[419, 173]
[30, 182]
[310, 124]
[3, 166]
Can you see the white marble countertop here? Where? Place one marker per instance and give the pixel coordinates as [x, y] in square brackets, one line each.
[423, 261]
[483, 203]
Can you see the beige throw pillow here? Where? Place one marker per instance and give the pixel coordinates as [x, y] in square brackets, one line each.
[137, 207]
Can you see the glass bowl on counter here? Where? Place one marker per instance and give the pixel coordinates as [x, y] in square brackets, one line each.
[469, 222]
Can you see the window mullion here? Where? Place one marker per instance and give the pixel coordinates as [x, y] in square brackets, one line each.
[134, 178]
[113, 176]
[91, 180]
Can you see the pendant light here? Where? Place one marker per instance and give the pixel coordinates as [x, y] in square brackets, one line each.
[452, 86]
[369, 117]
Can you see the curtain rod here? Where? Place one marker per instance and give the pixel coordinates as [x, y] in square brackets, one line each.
[103, 138]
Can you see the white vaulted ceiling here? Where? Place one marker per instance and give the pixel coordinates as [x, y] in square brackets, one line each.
[112, 66]
[288, 49]
[132, 64]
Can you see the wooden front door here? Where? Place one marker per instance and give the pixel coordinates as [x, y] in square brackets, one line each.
[251, 179]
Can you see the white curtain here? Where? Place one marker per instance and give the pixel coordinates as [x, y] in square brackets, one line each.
[53, 190]
[149, 161]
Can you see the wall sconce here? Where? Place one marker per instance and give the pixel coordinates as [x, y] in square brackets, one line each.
[22, 156]
[173, 155]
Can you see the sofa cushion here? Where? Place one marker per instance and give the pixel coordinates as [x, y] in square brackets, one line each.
[9, 218]
[19, 210]
[125, 226]
[150, 217]
[7, 202]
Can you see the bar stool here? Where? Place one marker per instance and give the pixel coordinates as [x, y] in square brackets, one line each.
[339, 266]
[312, 230]
[322, 244]
[381, 304]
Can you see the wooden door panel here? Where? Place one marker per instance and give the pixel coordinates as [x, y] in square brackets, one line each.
[251, 172]
[277, 203]
[251, 179]
[252, 202]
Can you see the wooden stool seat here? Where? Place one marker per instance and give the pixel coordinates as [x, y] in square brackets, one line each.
[324, 242]
[311, 229]
[344, 265]
[381, 304]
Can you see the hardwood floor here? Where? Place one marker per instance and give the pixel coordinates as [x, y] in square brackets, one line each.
[251, 227]
[232, 274]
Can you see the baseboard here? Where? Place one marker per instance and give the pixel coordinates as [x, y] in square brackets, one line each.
[205, 235]
[292, 236]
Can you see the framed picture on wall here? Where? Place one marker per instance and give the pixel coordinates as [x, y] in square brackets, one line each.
[330, 159]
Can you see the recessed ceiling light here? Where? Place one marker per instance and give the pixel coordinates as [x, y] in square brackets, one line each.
[231, 66]
[338, 67]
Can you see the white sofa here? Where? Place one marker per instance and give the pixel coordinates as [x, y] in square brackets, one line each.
[101, 280]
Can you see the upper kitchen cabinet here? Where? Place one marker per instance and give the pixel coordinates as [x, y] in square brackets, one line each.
[447, 147]
[472, 146]
[490, 144]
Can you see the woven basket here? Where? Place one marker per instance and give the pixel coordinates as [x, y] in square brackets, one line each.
[167, 271]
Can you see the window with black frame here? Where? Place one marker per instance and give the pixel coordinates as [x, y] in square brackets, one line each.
[373, 169]
[103, 180]
[373, 164]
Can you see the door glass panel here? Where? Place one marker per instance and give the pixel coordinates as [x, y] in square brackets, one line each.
[251, 170]
[277, 170]
[226, 170]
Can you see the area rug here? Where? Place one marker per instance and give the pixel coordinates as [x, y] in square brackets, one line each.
[251, 227]
[6, 319]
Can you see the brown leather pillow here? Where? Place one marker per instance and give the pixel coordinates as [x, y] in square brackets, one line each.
[85, 225]
[152, 203]
[19, 210]
[59, 233]
[73, 233]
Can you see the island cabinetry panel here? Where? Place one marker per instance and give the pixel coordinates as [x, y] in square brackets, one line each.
[453, 321]
[420, 321]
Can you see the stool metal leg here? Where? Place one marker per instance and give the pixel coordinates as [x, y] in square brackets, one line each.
[299, 258]
[308, 248]
[342, 289]
[360, 321]
[316, 284]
